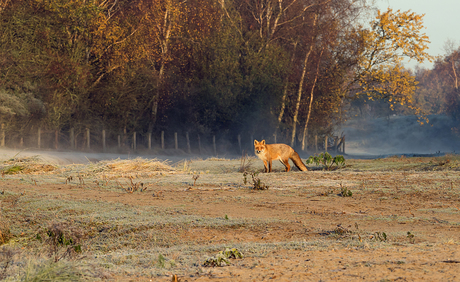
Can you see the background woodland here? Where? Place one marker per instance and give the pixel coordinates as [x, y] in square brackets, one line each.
[213, 67]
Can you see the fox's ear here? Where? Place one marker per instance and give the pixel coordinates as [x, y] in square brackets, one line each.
[262, 142]
[256, 142]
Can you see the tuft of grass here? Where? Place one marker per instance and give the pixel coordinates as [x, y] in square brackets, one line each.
[52, 271]
[13, 169]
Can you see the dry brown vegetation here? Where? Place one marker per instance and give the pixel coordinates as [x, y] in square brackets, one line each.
[143, 220]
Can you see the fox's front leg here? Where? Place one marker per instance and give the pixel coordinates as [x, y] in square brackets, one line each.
[266, 166]
[269, 166]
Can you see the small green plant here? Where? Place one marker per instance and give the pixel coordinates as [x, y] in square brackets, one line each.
[344, 192]
[218, 260]
[327, 161]
[222, 258]
[257, 184]
[380, 236]
[411, 237]
[161, 262]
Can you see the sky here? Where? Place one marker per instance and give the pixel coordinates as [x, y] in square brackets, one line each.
[441, 20]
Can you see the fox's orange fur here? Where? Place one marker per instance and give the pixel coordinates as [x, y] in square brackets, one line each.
[282, 152]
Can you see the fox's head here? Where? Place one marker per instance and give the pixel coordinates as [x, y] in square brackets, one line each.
[259, 147]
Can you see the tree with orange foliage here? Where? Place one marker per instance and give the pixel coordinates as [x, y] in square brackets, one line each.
[392, 37]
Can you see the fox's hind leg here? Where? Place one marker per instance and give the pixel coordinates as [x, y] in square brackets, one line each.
[285, 162]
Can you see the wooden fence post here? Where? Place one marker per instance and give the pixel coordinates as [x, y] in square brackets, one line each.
[2, 141]
[150, 140]
[56, 139]
[176, 144]
[39, 138]
[189, 150]
[103, 141]
[316, 143]
[214, 144]
[162, 140]
[123, 141]
[239, 143]
[134, 141]
[72, 138]
[88, 139]
[325, 144]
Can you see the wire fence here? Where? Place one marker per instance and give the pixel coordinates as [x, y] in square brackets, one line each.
[182, 142]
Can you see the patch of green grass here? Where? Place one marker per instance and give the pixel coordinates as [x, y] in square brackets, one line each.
[14, 169]
[327, 161]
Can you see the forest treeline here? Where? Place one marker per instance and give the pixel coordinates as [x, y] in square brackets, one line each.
[284, 67]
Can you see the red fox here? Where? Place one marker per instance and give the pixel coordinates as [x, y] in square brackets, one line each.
[282, 152]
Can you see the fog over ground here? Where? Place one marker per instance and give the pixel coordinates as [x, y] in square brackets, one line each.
[400, 135]
[365, 138]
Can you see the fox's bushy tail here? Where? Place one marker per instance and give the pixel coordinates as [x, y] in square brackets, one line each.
[298, 161]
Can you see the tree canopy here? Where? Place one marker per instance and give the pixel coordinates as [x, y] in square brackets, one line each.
[260, 66]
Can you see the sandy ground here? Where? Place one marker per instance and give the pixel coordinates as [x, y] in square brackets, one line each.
[333, 238]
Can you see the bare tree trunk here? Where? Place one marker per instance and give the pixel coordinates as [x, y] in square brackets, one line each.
[285, 91]
[164, 38]
[305, 128]
[299, 92]
[56, 139]
[455, 74]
